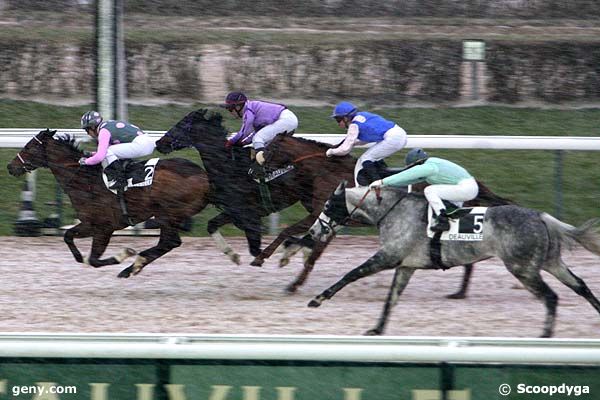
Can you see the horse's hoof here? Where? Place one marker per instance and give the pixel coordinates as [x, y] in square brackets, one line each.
[291, 288]
[283, 262]
[257, 263]
[236, 259]
[314, 303]
[130, 252]
[456, 296]
[373, 332]
[126, 273]
[79, 258]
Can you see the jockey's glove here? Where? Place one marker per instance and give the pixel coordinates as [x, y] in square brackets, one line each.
[82, 161]
[376, 184]
[260, 157]
[228, 144]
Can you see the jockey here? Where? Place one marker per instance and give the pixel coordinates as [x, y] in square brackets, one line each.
[364, 127]
[261, 122]
[116, 140]
[448, 181]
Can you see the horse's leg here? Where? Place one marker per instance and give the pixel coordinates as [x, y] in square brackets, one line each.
[213, 230]
[378, 262]
[81, 230]
[254, 238]
[309, 264]
[169, 239]
[566, 276]
[299, 227]
[462, 293]
[99, 243]
[534, 283]
[401, 278]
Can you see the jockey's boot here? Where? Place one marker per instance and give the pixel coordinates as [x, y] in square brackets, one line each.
[116, 176]
[368, 174]
[442, 223]
[115, 173]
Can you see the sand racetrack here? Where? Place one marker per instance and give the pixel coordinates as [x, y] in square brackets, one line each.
[195, 289]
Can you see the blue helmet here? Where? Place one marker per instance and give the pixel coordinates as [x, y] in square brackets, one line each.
[344, 109]
[415, 155]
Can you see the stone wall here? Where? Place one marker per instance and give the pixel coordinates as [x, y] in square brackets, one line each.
[379, 72]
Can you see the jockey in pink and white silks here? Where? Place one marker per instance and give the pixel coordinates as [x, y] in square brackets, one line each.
[362, 128]
[448, 181]
[261, 122]
[116, 140]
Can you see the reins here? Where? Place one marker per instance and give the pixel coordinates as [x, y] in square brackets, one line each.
[302, 158]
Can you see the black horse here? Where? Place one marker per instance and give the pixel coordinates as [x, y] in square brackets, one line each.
[241, 198]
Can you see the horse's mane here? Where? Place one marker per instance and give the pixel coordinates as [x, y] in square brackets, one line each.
[321, 145]
[68, 141]
[211, 121]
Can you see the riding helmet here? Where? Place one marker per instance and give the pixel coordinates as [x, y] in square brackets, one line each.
[91, 119]
[415, 155]
[233, 99]
[344, 109]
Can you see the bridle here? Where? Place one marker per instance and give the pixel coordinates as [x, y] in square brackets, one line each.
[328, 226]
[27, 166]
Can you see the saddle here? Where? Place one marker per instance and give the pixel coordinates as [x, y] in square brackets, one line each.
[137, 173]
[466, 223]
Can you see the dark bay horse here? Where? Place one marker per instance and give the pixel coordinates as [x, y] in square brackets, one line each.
[527, 241]
[180, 189]
[239, 196]
[308, 158]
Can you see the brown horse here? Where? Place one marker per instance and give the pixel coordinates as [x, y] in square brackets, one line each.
[179, 190]
[309, 160]
[240, 198]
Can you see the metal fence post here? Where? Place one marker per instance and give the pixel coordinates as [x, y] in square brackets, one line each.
[558, 183]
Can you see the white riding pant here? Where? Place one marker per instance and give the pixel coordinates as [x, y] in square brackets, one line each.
[393, 140]
[141, 146]
[465, 190]
[287, 122]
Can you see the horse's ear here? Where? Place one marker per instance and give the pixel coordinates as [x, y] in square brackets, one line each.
[48, 132]
[341, 187]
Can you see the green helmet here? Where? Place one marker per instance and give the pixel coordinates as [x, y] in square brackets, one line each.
[91, 119]
[415, 155]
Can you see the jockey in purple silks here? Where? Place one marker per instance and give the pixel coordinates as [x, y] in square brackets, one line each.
[261, 122]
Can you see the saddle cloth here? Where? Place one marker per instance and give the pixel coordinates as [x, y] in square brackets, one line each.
[466, 224]
[139, 174]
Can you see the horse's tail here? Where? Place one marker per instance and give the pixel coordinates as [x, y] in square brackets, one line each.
[488, 198]
[587, 235]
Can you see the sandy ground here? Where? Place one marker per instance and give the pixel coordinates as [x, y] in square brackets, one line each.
[195, 289]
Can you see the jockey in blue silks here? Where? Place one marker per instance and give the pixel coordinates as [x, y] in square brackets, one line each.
[447, 181]
[362, 128]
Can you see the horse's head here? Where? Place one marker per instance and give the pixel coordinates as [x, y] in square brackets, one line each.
[197, 129]
[33, 155]
[334, 215]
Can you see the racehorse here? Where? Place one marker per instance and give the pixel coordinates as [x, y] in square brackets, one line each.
[240, 197]
[308, 157]
[527, 242]
[179, 190]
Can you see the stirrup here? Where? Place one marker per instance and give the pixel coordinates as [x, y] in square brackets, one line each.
[440, 227]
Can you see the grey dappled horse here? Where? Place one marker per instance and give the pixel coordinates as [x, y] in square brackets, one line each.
[527, 241]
